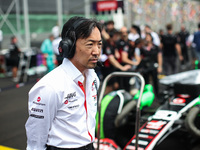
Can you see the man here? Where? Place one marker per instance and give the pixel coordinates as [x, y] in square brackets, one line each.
[63, 104]
[14, 58]
[47, 50]
[196, 41]
[55, 44]
[182, 39]
[110, 27]
[156, 39]
[152, 56]
[170, 48]
[134, 33]
[124, 49]
[112, 62]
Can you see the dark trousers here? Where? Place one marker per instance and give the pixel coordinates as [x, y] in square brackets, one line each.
[87, 147]
[169, 65]
[154, 74]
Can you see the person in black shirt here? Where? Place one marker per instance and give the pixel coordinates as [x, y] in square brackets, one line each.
[14, 58]
[152, 58]
[170, 48]
[112, 64]
[182, 38]
[124, 48]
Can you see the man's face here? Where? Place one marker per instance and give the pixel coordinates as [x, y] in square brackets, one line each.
[88, 51]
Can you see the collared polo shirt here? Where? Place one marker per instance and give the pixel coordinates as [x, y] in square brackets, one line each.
[61, 111]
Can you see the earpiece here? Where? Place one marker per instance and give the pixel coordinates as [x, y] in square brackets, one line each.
[66, 45]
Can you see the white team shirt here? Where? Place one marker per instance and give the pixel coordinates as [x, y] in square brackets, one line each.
[156, 39]
[61, 112]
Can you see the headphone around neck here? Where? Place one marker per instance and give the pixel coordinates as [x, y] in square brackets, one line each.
[67, 45]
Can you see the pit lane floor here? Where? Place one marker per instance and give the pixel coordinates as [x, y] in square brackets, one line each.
[13, 113]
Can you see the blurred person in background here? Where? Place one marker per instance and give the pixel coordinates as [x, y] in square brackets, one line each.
[123, 47]
[112, 64]
[156, 38]
[1, 38]
[55, 31]
[47, 50]
[161, 33]
[134, 55]
[110, 27]
[196, 41]
[55, 44]
[182, 39]
[152, 55]
[134, 33]
[191, 47]
[135, 52]
[14, 57]
[170, 49]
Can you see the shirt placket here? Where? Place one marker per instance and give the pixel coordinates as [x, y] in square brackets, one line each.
[80, 84]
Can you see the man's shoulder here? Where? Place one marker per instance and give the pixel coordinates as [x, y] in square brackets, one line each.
[51, 77]
[169, 36]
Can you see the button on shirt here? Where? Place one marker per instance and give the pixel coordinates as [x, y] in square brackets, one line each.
[61, 111]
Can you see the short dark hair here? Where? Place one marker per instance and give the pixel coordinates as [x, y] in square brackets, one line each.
[169, 26]
[12, 38]
[82, 31]
[138, 41]
[110, 22]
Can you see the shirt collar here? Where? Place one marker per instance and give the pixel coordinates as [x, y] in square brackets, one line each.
[72, 71]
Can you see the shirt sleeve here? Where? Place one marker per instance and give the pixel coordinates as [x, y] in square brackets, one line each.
[42, 109]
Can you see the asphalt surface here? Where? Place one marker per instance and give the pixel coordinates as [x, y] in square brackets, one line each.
[13, 113]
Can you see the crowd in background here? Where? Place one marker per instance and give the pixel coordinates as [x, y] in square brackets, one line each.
[146, 51]
[136, 49]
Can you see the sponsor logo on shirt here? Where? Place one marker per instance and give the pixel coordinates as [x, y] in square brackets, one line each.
[94, 85]
[39, 103]
[70, 95]
[95, 97]
[73, 107]
[37, 110]
[37, 116]
[38, 99]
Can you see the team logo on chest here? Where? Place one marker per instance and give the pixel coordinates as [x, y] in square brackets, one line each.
[69, 96]
[94, 85]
